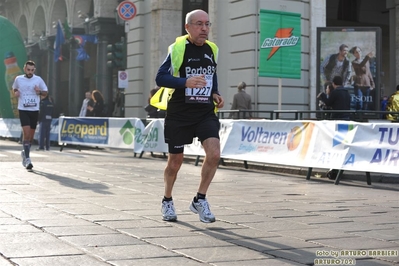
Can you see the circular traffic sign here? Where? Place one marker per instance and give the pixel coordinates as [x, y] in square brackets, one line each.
[127, 10]
[123, 75]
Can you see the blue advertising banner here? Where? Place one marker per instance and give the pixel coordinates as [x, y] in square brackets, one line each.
[94, 131]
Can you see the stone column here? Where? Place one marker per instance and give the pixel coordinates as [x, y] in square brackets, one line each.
[317, 11]
[395, 47]
[75, 81]
[34, 54]
[393, 6]
[53, 77]
[104, 74]
[106, 30]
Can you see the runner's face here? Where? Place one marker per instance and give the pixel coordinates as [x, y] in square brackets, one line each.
[29, 70]
[198, 28]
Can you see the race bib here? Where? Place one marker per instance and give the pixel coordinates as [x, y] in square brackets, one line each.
[29, 100]
[200, 95]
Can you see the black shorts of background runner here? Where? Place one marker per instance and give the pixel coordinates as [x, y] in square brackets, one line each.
[29, 118]
[177, 134]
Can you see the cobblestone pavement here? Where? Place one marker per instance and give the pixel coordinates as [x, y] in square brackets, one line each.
[102, 207]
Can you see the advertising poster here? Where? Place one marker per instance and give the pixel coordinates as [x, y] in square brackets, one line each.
[13, 54]
[354, 54]
[280, 44]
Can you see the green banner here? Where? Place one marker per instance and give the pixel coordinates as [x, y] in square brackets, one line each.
[13, 54]
[280, 44]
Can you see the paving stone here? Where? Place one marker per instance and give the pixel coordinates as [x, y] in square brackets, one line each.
[193, 241]
[277, 225]
[239, 233]
[101, 240]
[373, 262]
[60, 260]
[243, 218]
[355, 226]
[18, 228]
[35, 249]
[384, 234]
[107, 211]
[386, 219]
[112, 216]
[262, 262]
[304, 256]
[151, 232]
[317, 219]
[358, 243]
[137, 222]
[26, 237]
[223, 254]
[59, 221]
[9, 220]
[113, 253]
[157, 262]
[5, 262]
[78, 230]
[314, 234]
[275, 243]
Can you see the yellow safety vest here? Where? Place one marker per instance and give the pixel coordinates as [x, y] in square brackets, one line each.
[176, 51]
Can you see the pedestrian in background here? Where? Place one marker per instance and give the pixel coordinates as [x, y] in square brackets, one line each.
[153, 112]
[241, 101]
[393, 105]
[45, 118]
[339, 99]
[191, 109]
[87, 102]
[98, 108]
[28, 88]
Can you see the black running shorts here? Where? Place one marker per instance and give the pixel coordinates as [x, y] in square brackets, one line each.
[29, 118]
[178, 133]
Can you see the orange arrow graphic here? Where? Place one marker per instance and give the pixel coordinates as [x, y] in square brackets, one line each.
[280, 33]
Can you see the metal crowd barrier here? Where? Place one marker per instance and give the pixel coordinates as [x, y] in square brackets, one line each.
[355, 115]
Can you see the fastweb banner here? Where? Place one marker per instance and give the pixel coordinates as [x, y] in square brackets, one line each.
[280, 44]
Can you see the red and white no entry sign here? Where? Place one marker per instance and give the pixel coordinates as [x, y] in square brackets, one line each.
[127, 10]
[123, 75]
[123, 81]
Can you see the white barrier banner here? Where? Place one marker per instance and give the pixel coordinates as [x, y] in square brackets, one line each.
[10, 128]
[153, 138]
[280, 142]
[196, 148]
[125, 133]
[368, 147]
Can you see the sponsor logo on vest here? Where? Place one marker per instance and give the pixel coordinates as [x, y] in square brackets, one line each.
[202, 99]
[283, 38]
[200, 70]
[209, 57]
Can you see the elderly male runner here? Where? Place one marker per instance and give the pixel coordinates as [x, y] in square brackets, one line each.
[190, 68]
